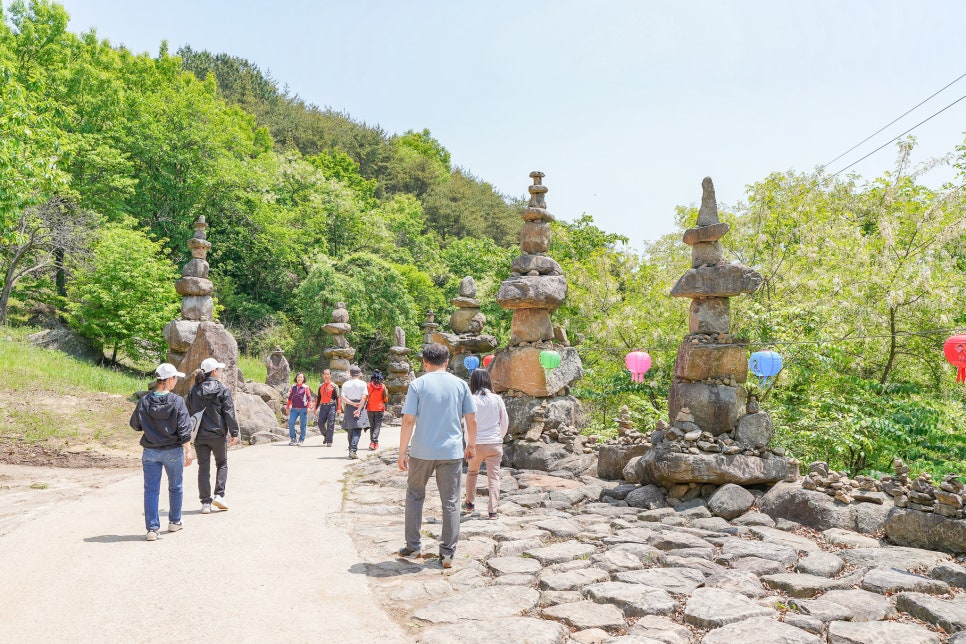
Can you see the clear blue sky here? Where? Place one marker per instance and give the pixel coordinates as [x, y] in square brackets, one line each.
[625, 105]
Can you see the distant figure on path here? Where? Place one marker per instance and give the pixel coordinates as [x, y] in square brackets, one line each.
[492, 423]
[354, 395]
[376, 407]
[436, 403]
[166, 425]
[299, 405]
[217, 423]
[328, 405]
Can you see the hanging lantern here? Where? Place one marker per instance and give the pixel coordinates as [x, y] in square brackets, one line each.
[955, 351]
[549, 359]
[766, 365]
[471, 362]
[638, 362]
[487, 361]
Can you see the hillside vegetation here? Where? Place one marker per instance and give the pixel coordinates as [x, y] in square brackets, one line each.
[106, 157]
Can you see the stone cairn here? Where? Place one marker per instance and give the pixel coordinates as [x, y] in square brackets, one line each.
[534, 290]
[467, 324]
[716, 434]
[340, 353]
[921, 493]
[400, 372]
[278, 373]
[839, 486]
[195, 290]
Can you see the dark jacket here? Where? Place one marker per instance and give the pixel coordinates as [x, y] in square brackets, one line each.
[215, 399]
[164, 421]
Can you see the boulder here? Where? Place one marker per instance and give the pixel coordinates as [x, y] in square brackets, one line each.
[630, 470]
[63, 339]
[535, 237]
[212, 341]
[541, 292]
[612, 459]
[195, 268]
[721, 280]
[467, 287]
[467, 321]
[519, 369]
[263, 391]
[253, 415]
[540, 263]
[706, 254]
[197, 307]
[180, 334]
[730, 501]
[545, 457]
[949, 615]
[648, 497]
[560, 411]
[820, 511]
[925, 530]
[704, 361]
[710, 315]
[194, 286]
[704, 234]
[754, 431]
[715, 408]
[336, 328]
[667, 468]
[530, 325]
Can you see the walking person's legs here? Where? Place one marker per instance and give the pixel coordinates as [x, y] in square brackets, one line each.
[292, 414]
[327, 422]
[220, 449]
[173, 462]
[375, 422]
[354, 435]
[419, 473]
[151, 466]
[203, 453]
[493, 458]
[303, 415]
[448, 481]
[472, 473]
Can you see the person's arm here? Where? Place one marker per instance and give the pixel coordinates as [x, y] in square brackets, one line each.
[470, 451]
[504, 418]
[135, 421]
[228, 413]
[385, 394]
[405, 434]
[308, 394]
[337, 397]
[184, 430]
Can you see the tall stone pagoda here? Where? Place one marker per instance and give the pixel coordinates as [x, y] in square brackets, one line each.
[340, 353]
[467, 324]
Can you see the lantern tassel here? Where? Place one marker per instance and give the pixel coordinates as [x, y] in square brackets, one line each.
[961, 374]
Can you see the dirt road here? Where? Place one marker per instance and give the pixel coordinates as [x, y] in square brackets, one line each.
[273, 568]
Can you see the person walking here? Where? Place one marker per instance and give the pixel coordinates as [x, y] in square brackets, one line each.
[376, 407]
[492, 423]
[212, 398]
[436, 403]
[328, 404]
[299, 405]
[354, 395]
[162, 418]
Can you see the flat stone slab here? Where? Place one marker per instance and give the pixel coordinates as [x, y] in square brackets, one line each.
[669, 468]
[790, 539]
[800, 585]
[738, 548]
[849, 539]
[760, 630]
[950, 615]
[513, 565]
[823, 564]
[952, 573]
[679, 581]
[926, 530]
[659, 629]
[677, 540]
[894, 557]
[503, 629]
[586, 614]
[572, 579]
[479, 604]
[739, 581]
[559, 527]
[892, 580]
[863, 605]
[561, 552]
[419, 591]
[822, 609]
[714, 608]
[633, 599]
[879, 633]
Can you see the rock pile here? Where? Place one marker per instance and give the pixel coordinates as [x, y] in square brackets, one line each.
[278, 374]
[340, 353]
[841, 487]
[467, 324]
[922, 494]
[400, 372]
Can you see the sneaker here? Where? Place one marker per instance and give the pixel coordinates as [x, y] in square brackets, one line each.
[152, 535]
[446, 560]
[291, 443]
[219, 502]
[468, 507]
[353, 455]
[409, 552]
[174, 527]
[206, 508]
[328, 444]
[492, 515]
[301, 443]
[372, 446]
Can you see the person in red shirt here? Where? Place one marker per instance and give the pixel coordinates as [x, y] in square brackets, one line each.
[328, 404]
[376, 407]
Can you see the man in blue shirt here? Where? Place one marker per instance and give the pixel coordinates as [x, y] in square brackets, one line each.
[436, 403]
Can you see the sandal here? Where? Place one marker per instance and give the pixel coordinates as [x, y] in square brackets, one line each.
[468, 507]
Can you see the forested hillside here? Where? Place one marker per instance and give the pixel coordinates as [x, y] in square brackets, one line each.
[106, 157]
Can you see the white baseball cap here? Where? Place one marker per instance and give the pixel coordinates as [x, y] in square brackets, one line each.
[210, 364]
[166, 370]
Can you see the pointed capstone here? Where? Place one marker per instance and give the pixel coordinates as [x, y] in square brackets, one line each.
[709, 207]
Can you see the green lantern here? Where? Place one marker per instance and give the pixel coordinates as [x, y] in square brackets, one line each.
[549, 359]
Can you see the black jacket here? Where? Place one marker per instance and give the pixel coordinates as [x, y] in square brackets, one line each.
[215, 399]
[164, 420]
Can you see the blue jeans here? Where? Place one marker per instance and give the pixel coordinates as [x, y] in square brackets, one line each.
[302, 414]
[172, 462]
[354, 435]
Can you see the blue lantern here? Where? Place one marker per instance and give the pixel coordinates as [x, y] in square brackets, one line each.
[471, 362]
[766, 365]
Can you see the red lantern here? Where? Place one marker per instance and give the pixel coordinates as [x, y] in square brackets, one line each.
[487, 360]
[638, 362]
[955, 350]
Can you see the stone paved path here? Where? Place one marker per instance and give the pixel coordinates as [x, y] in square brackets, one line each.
[279, 566]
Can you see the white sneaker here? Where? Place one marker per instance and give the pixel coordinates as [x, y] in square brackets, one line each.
[219, 502]
[174, 527]
[152, 535]
[206, 508]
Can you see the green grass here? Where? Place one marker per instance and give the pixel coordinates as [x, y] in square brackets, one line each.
[38, 486]
[253, 367]
[34, 425]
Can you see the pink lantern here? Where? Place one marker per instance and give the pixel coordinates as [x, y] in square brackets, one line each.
[638, 362]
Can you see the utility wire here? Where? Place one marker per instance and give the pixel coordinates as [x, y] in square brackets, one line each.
[898, 137]
[894, 120]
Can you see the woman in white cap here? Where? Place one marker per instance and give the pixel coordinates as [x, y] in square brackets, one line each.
[217, 422]
[163, 418]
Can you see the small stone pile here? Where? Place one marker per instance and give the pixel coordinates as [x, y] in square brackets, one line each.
[922, 494]
[340, 353]
[467, 324]
[195, 290]
[838, 485]
[277, 370]
[566, 435]
[400, 372]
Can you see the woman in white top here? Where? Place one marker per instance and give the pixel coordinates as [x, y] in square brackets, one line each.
[491, 425]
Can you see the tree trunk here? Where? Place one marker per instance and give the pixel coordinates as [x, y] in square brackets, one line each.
[5, 294]
[60, 278]
[893, 346]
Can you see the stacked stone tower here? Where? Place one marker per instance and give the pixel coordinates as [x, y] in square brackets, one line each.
[340, 353]
[400, 372]
[467, 324]
[195, 290]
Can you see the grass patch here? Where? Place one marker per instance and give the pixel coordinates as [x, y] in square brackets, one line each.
[253, 367]
[33, 425]
[38, 486]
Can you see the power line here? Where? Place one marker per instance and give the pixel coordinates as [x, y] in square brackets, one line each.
[898, 137]
[894, 120]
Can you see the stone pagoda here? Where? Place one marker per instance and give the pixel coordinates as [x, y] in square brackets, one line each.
[195, 290]
[716, 435]
[399, 373]
[467, 324]
[340, 353]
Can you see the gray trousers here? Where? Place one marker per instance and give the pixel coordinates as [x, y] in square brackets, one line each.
[448, 481]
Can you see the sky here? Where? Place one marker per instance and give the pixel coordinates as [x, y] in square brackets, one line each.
[624, 105]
